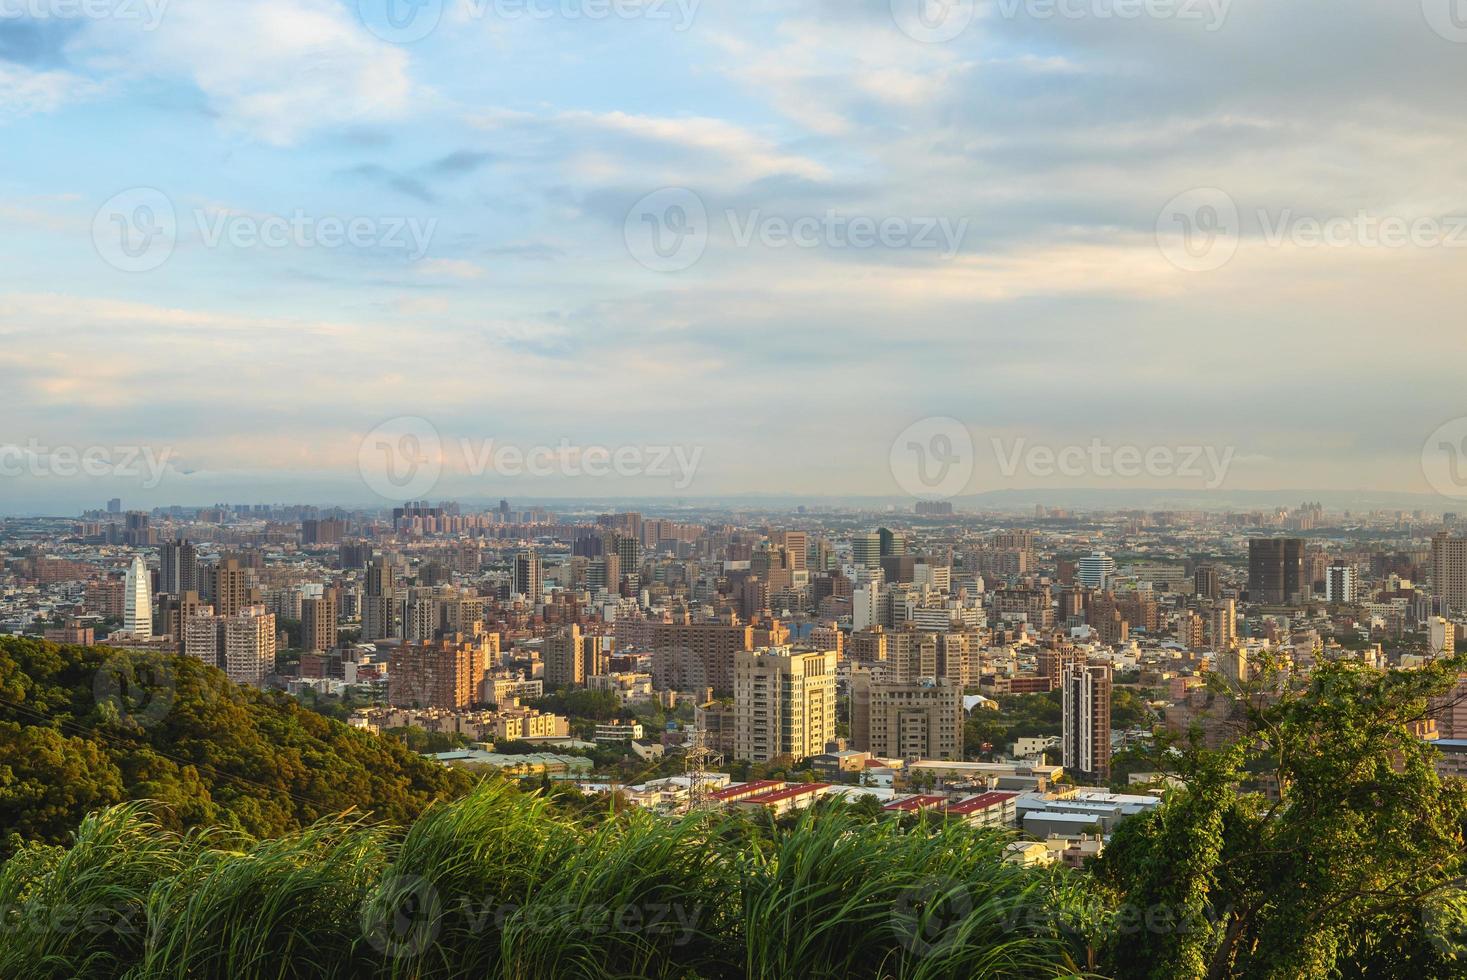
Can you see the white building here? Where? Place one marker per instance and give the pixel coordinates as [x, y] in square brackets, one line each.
[137, 599]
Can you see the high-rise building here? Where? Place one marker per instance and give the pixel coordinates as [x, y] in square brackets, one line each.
[1085, 722]
[178, 568]
[1276, 571]
[916, 720]
[892, 542]
[564, 666]
[1449, 572]
[318, 621]
[1441, 636]
[379, 602]
[242, 645]
[230, 589]
[137, 602]
[784, 703]
[447, 673]
[528, 578]
[1222, 625]
[1095, 570]
[866, 549]
[114, 506]
[1339, 583]
[1205, 582]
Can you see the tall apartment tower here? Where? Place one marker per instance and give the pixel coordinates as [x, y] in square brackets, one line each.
[447, 673]
[784, 703]
[528, 580]
[564, 664]
[379, 602]
[1449, 571]
[1276, 570]
[318, 622]
[229, 588]
[1085, 722]
[1339, 583]
[1222, 625]
[918, 720]
[243, 645]
[137, 599]
[178, 570]
[1205, 582]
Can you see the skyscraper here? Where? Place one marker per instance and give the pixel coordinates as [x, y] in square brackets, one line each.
[1085, 722]
[137, 601]
[318, 621]
[1449, 571]
[1276, 570]
[379, 602]
[564, 665]
[178, 568]
[866, 549]
[527, 576]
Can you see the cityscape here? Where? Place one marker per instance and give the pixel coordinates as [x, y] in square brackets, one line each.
[711, 490]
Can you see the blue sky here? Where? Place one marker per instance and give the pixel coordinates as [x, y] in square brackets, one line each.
[519, 146]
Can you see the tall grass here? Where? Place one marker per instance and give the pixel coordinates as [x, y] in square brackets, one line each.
[500, 885]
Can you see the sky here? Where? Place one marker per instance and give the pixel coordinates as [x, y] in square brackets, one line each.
[339, 252]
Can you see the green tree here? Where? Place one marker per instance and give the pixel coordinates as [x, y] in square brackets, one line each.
[1351, 867]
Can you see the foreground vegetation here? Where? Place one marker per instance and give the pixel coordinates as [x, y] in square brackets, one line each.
[499, 884]
[87, 727]
[1321, 844]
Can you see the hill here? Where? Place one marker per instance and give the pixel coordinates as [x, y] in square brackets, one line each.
[83, 728]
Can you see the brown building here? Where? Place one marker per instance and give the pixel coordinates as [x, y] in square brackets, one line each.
[446, 673]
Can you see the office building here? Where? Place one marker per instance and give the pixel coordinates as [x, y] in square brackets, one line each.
[866, 549]
[178, 568]
[1276, 571]
[1095, 570]
[137, 601]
